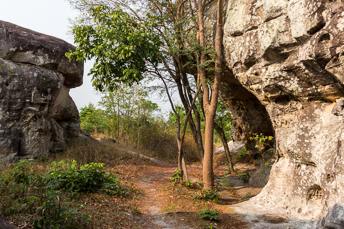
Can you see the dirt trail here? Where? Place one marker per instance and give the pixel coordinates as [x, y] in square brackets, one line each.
[152, 180]
[164, 205]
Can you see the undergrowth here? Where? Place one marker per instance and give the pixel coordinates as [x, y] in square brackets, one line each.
[207, 195]
[209, 214]
[71, 177]
[45, 197]
[176, 177]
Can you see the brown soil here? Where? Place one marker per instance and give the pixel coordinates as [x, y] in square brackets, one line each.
[157, 202]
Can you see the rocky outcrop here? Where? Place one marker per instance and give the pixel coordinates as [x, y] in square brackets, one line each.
[289, 55]
[37, 115]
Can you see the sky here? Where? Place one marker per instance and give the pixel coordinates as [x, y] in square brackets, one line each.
[53, 17]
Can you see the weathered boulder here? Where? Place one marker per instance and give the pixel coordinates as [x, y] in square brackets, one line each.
[37, 115]
[289, 56]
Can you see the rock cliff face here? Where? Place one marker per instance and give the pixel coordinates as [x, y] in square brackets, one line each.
[37, 115]
[289, 55]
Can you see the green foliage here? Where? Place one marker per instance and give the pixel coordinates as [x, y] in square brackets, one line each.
[209, 214]
[120, 45]
[54, 213]
[129, 116]
[176, 177]
[192, 185]
[14, 189]
[188, 184]
[21, 172]
[92, 119]
[208, 195]
[243, 154]
[261, 141]
[244, 177]
[223, 118]
[70, 177]
[43, 196]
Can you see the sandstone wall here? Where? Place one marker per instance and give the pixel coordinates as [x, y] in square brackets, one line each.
[290, 55]
[37, 115]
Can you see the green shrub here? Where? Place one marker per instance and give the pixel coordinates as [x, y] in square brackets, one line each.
[21, 172]
[176, 177]
[208, 195]
[15, 189]
[54, 213]
[209, 214]
[36, 195]
[69, 176]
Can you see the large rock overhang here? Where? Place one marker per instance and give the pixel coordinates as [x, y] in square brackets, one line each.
[290, 56]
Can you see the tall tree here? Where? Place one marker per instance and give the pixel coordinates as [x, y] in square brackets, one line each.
[210, 94]
[167, 20]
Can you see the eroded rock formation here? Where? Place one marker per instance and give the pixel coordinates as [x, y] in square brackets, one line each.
[37, 115]
[290, 55]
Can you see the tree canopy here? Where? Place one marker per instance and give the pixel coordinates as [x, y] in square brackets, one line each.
[120, 46]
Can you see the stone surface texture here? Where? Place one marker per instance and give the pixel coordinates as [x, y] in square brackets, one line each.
[288, 55]
[37, 115]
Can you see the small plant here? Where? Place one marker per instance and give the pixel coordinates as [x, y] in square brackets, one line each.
[244, 177]
[176, 177]
[208, 195]
[69, 176]
[209, 214]
[243, 153]
[43, 197]
[21, 172]
[188, 184]
[55, 214]
[261, 141]
[211, 226]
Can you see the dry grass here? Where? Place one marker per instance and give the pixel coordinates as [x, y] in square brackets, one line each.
[161, 146]
[91, 150]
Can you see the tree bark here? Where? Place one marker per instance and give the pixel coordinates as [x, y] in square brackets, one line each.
[223, 138]
[181, 161]
[210, 96]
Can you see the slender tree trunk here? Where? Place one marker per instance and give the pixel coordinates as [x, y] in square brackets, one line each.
[196, 132]
[208, 172]
[210, 96]
[181, 160]
[223, 138]
[180, 139]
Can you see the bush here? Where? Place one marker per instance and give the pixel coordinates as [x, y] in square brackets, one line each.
[69, 176]
[56, 214]
[16, 191]
[21, 172]
[41, 196]
[209, 214]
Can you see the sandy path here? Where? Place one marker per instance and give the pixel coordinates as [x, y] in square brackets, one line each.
[151, 181]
